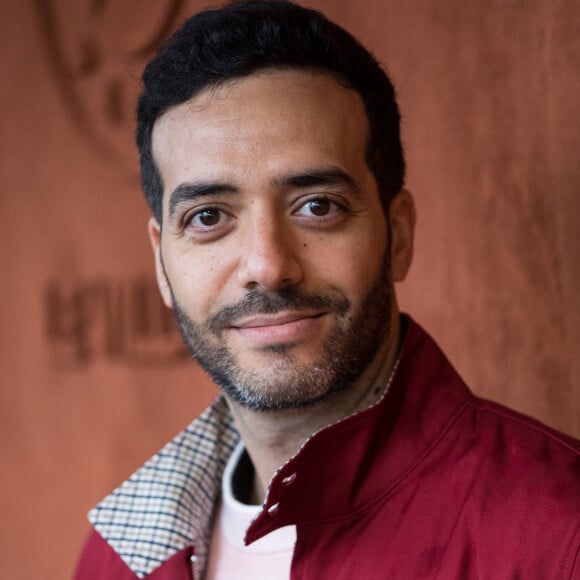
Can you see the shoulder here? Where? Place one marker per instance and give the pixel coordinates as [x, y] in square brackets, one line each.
[524, 440]
[524, 480]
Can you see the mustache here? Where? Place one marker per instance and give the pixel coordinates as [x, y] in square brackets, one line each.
[255, 303]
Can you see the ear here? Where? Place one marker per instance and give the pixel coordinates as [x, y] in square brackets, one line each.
[402, 218]
[154, 231]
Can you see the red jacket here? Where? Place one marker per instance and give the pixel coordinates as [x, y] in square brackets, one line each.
[431, 482]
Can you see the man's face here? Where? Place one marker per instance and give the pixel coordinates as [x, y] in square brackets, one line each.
[274, 250]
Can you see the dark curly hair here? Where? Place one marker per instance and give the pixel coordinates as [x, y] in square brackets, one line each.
[241, 38]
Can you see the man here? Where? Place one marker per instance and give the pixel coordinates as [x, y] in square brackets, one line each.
[344, 444]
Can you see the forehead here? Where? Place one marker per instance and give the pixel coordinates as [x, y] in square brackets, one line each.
[263, 124]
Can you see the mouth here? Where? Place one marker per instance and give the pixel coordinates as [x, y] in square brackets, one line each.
[275, 319]
[278, 328]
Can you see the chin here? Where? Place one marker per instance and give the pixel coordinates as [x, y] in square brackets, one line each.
[282, 385]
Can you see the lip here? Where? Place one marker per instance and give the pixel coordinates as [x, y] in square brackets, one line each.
[278, 328]
[275, 319]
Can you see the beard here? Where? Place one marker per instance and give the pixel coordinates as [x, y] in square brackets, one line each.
[284, 382]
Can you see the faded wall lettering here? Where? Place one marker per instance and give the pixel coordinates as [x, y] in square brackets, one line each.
[122, 321]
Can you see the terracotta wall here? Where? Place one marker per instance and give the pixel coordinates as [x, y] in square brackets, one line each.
[93, 378]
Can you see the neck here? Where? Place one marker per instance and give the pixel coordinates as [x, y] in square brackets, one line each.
[273, 437]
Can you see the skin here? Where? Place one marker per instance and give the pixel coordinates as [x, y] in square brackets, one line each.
[253, 229]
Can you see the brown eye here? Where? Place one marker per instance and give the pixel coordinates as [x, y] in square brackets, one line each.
[207, 217]
[321, 212]
[209, 223]
[319, 207]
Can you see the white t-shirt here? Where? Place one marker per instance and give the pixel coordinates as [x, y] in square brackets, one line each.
[268, 558]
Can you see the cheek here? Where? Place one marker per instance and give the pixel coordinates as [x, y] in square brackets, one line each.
[199, 280]
[352, 266]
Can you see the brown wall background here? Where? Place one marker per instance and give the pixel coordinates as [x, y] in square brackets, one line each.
[93, 379]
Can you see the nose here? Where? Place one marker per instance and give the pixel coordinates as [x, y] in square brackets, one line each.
[268, 258]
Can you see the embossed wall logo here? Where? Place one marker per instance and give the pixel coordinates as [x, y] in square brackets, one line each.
[97, 49]
[110, 320]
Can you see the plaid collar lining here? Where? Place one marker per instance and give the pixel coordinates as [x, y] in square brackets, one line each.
[167, 504]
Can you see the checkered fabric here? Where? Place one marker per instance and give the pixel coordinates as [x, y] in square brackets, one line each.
[167, 504]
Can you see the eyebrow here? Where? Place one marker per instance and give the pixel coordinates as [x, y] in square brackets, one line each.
[318, 177]
[187, 192]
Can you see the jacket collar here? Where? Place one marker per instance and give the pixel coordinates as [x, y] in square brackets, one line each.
[167, 504]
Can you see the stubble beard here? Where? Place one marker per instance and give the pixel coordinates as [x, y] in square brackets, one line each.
[285, 383]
